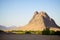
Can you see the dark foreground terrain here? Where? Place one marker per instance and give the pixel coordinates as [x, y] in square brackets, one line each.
[28, 37]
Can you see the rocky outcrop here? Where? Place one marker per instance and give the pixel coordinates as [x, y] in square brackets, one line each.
[40, 21]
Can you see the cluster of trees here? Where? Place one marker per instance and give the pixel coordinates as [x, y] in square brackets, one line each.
[2, 32]
[25, 32]
[50, 32]
[44, 32]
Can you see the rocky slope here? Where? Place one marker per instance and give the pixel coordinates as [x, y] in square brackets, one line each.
[40, 21]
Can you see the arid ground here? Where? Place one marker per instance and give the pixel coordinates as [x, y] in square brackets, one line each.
[28, 37]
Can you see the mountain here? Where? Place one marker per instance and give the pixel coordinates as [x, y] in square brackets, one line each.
[40, 21]
[2, 27]
[8, 28]
[13, 28]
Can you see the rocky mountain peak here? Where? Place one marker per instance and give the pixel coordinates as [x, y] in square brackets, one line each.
[40, 21]
[36, 12]
[44, 14]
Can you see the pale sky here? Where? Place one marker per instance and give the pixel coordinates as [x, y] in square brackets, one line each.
[20, 12]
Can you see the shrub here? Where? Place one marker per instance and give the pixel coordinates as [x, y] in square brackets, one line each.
[52, 32]
[46, 32]
[57, 33]
[27, 32]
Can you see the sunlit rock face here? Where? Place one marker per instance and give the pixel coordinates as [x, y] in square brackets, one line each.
[40, 21]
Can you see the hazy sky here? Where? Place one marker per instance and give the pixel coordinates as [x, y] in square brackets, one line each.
[20, 12]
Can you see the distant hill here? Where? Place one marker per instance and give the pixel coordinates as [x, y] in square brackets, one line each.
[40, 21]
[8, 28]
[2, 27]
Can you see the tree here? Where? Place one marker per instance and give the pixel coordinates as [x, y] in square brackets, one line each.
[46, 32]
[27, 32]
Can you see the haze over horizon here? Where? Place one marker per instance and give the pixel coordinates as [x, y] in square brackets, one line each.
[19, 12]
